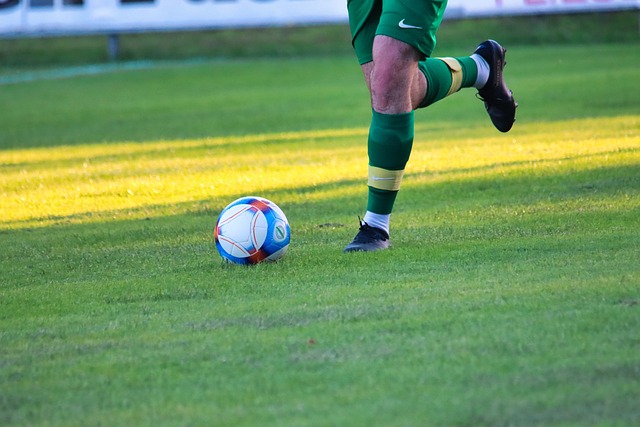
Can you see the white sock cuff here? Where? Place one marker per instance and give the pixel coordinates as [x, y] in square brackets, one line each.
[377, 220]
[483, 71]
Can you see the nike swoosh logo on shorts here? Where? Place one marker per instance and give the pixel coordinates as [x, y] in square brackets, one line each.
[401, 24]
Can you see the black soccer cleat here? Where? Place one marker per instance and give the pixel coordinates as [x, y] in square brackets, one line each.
[498, 99]
[368, 239]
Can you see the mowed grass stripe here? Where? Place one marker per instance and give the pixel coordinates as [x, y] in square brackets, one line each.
[44, 186]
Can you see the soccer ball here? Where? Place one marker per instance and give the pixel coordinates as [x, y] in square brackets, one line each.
[250, 230]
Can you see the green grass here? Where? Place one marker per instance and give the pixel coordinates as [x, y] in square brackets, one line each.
[510, 295]
[311, 41]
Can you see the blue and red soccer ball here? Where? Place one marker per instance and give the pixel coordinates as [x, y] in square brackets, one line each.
[251, 230]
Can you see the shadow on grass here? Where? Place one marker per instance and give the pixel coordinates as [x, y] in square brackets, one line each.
[475, 216]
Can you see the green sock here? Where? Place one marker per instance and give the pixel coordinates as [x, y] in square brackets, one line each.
[389, 147]
[446, 76]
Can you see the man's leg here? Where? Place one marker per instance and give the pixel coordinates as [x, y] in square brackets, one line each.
[418, 85]
[389, 38]
[391, 77]
[399, 84]
[482, 70]
[389, 50]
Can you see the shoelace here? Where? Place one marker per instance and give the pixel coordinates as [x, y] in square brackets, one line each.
[368, 232]
[495, 99]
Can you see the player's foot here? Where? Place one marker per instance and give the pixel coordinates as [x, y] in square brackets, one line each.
[498, 99]
[368, 239]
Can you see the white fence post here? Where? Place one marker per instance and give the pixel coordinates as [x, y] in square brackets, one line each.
[113, 46]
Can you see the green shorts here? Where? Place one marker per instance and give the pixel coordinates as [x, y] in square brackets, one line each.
[414, 22]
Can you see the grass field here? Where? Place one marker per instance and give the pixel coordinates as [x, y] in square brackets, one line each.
[510, 295]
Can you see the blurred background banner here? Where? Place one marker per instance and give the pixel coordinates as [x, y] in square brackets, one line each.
[479, 8]
[59, 17]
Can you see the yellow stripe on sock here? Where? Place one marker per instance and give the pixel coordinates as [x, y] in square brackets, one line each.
[456, 74]
[384, 179]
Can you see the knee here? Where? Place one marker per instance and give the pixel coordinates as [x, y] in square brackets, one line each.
[390, 85]
[385, 79]
[393, 69]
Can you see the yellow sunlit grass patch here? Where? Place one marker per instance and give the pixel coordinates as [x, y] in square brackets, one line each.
[40, 187]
